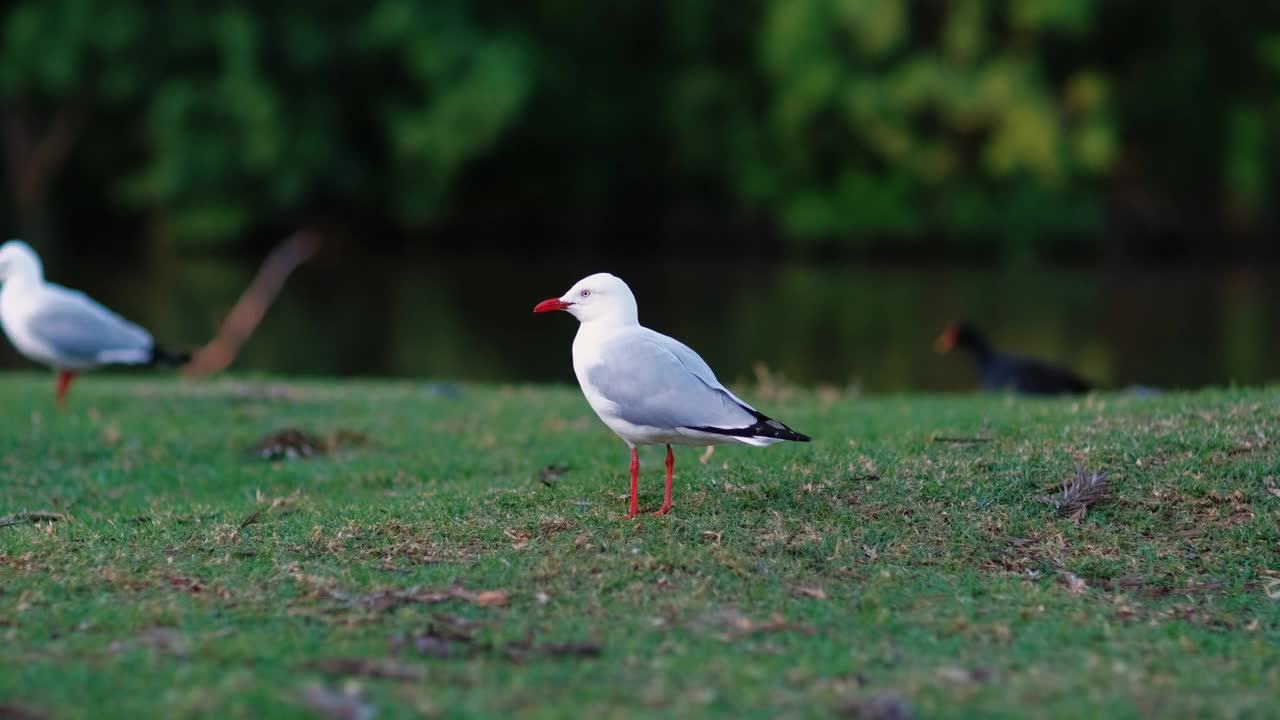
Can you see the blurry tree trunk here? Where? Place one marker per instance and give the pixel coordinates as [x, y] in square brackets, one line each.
[33, 159]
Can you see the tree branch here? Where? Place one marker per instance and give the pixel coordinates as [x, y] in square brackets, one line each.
[252, 305]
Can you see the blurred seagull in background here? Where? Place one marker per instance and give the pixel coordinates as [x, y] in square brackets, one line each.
[651, 389]
[65, 329]
[1001, 371]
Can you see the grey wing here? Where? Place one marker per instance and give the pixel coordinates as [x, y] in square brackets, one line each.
[76, 326]
[694, 362]
[652, 386]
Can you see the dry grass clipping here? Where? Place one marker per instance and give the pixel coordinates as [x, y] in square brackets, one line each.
[32, 517]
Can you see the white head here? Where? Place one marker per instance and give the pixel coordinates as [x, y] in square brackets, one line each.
[18, 260]
[596, 298]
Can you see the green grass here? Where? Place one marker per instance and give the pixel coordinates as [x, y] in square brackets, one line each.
[875, 563]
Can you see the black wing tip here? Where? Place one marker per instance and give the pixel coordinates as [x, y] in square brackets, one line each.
[764, 427]
[162, 357]
[759, 430]
[789, 434]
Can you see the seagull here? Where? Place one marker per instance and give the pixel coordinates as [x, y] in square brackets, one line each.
[651, 389]
[65, 329]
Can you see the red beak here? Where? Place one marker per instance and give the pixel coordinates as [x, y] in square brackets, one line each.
[946, 342]
[549, 305]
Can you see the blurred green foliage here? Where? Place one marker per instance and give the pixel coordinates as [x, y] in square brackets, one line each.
[877, 121]
[1016, 127]
[227, 113]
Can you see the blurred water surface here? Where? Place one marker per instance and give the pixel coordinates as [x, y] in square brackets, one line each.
[835, 325]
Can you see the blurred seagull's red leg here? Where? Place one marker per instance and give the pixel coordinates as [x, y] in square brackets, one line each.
[666, 497]
[64, 384]
[635, 484]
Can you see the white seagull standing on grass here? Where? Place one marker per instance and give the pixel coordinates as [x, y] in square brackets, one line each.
[651, 389]
[66, 329]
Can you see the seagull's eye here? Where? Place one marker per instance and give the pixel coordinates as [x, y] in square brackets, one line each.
[585, 293]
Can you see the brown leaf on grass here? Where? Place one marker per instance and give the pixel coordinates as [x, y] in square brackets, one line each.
[163, 639]
[20, 562]
[443, 629]
[32, 517]
[552, 524]
[1079, 492]
[886, 706]
[809, 591]
[338, 705]
[1075, 585]
[549, 474]
[388, 599]
[289, 444]
[14, 711]
[381, 668]
[293, 443]
[488, 598]
[185, 584]
[736, 625]
[520, 537]
[1225, 511]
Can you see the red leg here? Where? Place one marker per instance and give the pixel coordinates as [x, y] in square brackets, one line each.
[64, 384]
[666, 496]
[635, 484]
